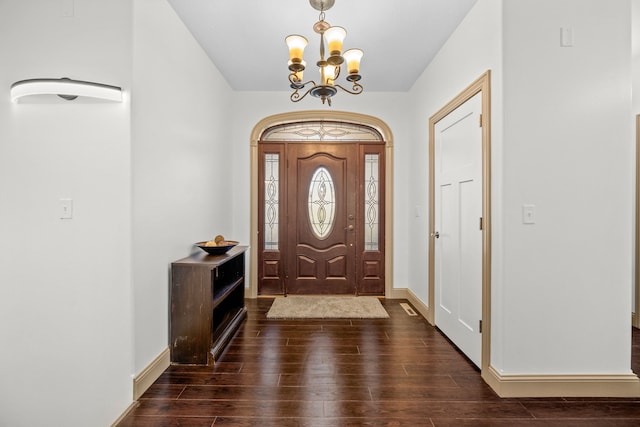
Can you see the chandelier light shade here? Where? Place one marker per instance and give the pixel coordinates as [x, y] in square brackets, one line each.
[296, 46]
[335, 37]
[352, 57]
[331, 39]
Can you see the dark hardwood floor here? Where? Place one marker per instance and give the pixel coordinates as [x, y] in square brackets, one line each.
[333, 373]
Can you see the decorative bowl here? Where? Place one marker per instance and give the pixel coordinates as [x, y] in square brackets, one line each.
[217, 250]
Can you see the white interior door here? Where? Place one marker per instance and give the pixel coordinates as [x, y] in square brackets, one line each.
[458, 209]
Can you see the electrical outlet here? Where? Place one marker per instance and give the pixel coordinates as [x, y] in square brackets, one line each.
[566, 37]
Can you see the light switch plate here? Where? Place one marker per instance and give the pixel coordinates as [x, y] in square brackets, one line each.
[528, 214]
[66, 208]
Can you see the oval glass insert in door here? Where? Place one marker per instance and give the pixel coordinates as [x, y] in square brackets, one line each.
[322, 203]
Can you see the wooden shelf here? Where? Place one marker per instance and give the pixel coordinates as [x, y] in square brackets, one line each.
[219, 295]
[206, 305]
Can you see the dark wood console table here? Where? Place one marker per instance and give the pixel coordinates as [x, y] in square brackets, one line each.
[207, 305]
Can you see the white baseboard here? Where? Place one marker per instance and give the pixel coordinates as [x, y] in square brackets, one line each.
[419, 305]
[622, 385]
[397, 293]
[124, 414]
[144, 379]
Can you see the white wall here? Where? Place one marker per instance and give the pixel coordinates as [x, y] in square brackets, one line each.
[65, 287]
[561, 140]
[251, 107]
[474, 48]
[635, 81]
[80, 319]
[182, 178]
[635, 54]
[568, 149]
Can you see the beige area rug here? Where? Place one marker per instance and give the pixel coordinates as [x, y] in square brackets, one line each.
[326, 307]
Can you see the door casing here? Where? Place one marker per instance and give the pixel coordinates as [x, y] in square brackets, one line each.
[315, 116]
[480, 85]
[635, 318]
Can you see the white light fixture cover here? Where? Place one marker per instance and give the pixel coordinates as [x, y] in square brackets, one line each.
[66, 89]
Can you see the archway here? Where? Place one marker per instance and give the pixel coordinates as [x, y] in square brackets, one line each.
[321, 116]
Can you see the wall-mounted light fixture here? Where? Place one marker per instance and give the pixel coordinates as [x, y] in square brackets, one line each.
[65, 88]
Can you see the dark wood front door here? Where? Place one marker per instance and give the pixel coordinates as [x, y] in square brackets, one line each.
[321, 226]
[321, 216]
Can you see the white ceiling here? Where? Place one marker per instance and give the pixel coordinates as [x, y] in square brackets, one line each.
[245, 38]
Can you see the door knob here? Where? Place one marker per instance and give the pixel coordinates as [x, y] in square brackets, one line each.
[350, 228]
[435, 234]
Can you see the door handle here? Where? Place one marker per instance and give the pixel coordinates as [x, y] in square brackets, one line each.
[435, 234]
[350, 228]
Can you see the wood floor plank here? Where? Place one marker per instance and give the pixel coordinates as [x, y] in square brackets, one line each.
[163, 391]
[587, 409]
[577, 422]
[366, 380]
[288, 368]
[320, 422]
[218, 379]
[230, 408]
[427, 409]
[280, 393]
[167, 421]
[426, 393]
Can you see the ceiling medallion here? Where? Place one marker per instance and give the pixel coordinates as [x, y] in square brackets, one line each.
[329, 67]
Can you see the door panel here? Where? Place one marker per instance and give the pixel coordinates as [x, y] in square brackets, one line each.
[271, 187]
[470, 255]
[458, 250]
[321, 222]
[447, 265]
[371, 220]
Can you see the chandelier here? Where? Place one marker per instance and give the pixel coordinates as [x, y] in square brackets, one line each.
[329, 67]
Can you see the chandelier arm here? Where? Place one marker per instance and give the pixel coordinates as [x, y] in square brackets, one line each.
[298, 83]
[356, 90]
[302, 85]
[295, 96]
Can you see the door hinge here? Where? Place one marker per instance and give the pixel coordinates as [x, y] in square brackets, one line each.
[481, 224]
[480, 124]
[480, 326]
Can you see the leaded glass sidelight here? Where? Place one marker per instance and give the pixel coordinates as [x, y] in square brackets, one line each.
[371, 201]
[271, 200]
[322, 203]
